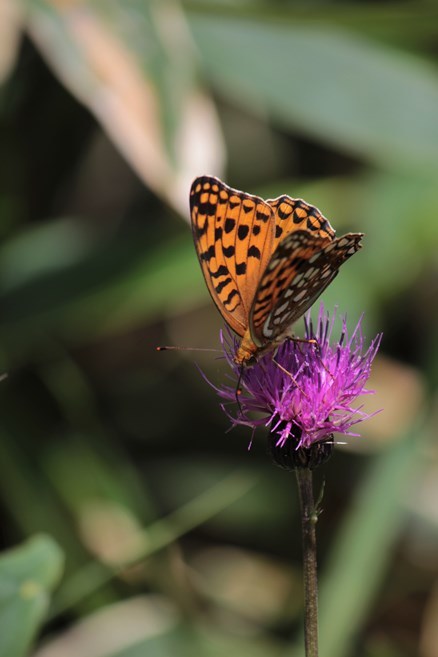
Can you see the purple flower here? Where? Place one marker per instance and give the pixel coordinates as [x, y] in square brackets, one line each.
[305, 391]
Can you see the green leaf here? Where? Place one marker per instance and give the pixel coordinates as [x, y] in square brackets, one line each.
[27, 575]
[336, 86]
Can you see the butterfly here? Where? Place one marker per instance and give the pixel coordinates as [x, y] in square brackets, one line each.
[264, 262]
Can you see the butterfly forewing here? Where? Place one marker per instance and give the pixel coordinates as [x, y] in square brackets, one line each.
[300, 269]
[233, 234]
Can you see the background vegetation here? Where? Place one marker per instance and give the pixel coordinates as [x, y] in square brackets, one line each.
[133, 524]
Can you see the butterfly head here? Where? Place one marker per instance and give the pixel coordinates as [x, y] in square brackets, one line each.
[245, 358]
[247, 353]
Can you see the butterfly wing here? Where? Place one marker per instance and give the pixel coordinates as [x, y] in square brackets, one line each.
[302, 266]
[234, 236]
[292, 214]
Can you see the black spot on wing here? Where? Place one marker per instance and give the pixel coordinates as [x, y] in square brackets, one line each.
[284, 210]
[207, 255]
[263, 216]
[222, 284]
[207, 208]
[242, 232]
[230, 297]
[254, 252]
[312, 223]
[262, 305]
[200, 230]
[221, 271]
[229, 224]
[280, 282]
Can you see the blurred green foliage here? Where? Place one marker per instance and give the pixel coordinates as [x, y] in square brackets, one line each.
[177, 540]
[27, 575]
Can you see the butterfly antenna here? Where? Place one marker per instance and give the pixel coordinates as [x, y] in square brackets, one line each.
[174, 348]
[239, 389]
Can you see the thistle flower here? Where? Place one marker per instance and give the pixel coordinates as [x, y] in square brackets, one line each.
[304, 392]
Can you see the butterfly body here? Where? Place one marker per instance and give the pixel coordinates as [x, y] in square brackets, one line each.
[264, 262]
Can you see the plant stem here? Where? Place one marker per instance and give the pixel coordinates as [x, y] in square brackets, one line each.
[308, 523]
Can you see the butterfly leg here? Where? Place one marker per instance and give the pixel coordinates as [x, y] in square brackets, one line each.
[318, 351]
[317, 347]
[283, 369]
[293, 338]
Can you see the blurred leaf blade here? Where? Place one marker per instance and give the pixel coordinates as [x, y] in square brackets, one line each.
[27, 576]
[157, 536]
[364, 543]
[398, 22]
[330, 84]
[90, 47]
[11, 19]
[150, 625]
[107, 293]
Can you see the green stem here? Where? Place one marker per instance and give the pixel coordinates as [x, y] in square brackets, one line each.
[308, 524]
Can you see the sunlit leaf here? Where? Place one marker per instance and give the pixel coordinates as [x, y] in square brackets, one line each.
[11, 17]
[126, 65]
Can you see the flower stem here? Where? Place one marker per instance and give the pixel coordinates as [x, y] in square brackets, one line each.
[308, 523]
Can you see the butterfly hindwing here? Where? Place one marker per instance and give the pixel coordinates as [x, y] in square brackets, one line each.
[300, 269]
[292, 214]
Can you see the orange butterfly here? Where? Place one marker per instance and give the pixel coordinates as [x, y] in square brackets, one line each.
[264, 262]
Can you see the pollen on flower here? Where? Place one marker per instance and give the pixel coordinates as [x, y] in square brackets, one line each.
[305, 391]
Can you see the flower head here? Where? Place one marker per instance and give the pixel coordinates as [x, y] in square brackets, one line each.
[305, 391]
